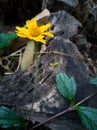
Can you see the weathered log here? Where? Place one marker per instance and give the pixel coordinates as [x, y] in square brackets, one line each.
[37, 102]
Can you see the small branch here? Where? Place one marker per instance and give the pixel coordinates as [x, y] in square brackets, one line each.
[14, 53]
[57, 115]
[65, 111]
[63, 54]
[85, 99]
[20, 58]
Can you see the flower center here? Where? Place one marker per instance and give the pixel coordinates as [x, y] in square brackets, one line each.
[35, 31]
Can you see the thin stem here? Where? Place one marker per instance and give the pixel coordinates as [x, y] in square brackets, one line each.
[63, 54]
[36, 58]
[65, 111]
[57, 115]
[14, 53]
[19, 63]
[85, 99]
[36, 72]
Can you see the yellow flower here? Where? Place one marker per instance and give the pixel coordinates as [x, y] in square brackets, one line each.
[34, 32]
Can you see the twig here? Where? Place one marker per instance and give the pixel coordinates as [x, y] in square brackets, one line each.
[14, 53]
[20, 58]
[57, 115]
[85, 99]
[17, 51]
[65, 111]
[63, 54]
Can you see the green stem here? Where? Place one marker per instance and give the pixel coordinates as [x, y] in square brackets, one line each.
[72, 102]
[83, 100]
[36, 69]
[36, 58]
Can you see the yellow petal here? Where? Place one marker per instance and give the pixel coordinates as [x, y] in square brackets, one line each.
[44, 27]
[48, 34]
[28, 24]
[18, 28]
[39, 39]
[30, 37]
[21, 35]
[22, 30]
[34, 22]
[33, 31]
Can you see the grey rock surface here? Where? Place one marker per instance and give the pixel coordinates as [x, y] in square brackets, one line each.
[64, 24]
[72, 3]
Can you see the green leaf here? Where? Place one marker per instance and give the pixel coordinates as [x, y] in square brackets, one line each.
[5, 38]
[8, 118]
[66, 85]
[88, 116]
[94, 81]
